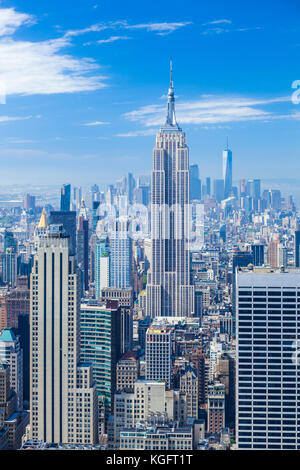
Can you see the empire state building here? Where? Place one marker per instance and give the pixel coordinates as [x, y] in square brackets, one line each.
[169, 290]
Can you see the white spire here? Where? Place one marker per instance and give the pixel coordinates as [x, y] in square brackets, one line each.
[171, 117]
[83, 210]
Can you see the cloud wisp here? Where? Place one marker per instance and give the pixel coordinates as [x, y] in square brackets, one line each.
[211, 110]
[45, 68]
[162, 28]
[97, 123]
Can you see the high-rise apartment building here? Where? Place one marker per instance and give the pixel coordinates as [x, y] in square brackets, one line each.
[149, 398]
[189, 386]
[120, 254]
[100, 341]
[158, 353]
[267, 368]
[125, 301]
[127, 372]
[169, 291]
[9, 266]
[12, 422]
[83, 244]
[102, 265]
[12, 354]
[63, 399]
[216, 408]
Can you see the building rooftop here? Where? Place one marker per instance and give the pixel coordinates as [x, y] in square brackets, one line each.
[7, 335]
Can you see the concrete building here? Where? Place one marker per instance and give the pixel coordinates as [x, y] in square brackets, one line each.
[12, 354]
[169, 291]
[216, 408]
[154, 437]
[102, 266]
[149, 398]
[267, 381]
[158, 353]
[63, 398]
[127, 372]
[189, 386]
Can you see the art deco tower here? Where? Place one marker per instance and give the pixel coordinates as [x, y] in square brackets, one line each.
[169, 292]
[63, 396]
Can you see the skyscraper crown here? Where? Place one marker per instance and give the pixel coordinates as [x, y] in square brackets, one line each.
[171, 116]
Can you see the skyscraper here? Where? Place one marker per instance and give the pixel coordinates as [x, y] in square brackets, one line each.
[219, 190]
[120, 254]
[258, 250]
[169, 291]
[100, 339]
[297, 247]
[208, 184]
[12, 354]
[227, 172]
[267, 371]
[68, 220]
[158, 353]
[9, 266]
[65, 197]
[195, 182]
[83, 244]
[102, 270]
[62, 392]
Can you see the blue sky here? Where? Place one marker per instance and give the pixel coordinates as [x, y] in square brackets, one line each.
[85, 84]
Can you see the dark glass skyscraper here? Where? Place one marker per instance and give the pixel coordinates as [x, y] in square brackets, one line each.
[65, 197]
[195, 183]
[68, 220]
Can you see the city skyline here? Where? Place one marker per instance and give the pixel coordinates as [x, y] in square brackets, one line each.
[67, 113]
[149, 303]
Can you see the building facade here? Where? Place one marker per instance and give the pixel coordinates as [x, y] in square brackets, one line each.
[63, 397]
[169, 291]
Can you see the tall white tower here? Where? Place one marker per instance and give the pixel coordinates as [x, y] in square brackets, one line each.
[169, 292]
[62, 395]
[227, 172]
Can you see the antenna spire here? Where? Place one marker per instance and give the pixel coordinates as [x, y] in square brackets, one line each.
[171, 118]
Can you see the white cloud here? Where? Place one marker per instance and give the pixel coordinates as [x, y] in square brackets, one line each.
[40, 67]
[90, 29]
[140, 133]
[219, 30]
[10, 20]
[217, 22]
[112, 39]
[12, 118]
[209, 110]
[96, 123]
[160, 28]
